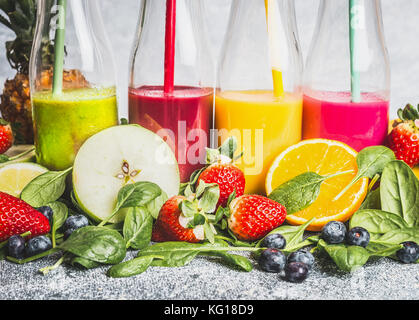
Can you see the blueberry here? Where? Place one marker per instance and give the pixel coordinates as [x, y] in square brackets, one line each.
[334, 232]
[75, 222]
[47, 212]
[272, 260]
[275, 241]
[296, 272]
[409, 253]
[37, 245]
[16, 247]
[302, 256]
[358, 236]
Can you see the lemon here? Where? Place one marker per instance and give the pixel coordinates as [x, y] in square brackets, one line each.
[15, 176]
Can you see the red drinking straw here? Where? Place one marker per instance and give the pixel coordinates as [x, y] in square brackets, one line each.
[169, 55]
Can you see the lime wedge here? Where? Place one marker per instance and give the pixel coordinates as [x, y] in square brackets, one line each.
[15, 176]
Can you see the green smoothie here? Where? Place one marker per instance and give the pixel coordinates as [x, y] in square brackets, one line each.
[64, 122]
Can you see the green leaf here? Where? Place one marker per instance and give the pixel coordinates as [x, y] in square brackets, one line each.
[45, 188]
[97, 244]
[178, 254]
[234, 260]
[137, 194]
[347, 258]
[229, 147]
[372, 201]
[370, 161]
[3, 253]
[209, 199]
[189, 208]
[299, 192]
[292, 234]
[382, 249]
[400, 235]
[198, 220]
[84, 263]
[155, 205]
[209, 233]
[138, 226]
[400, 192]
[377, 221]
[131, 268]
[4, 158]
[58, 218]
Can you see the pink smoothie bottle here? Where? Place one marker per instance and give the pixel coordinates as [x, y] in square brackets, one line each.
[171, 84]
[347, 75]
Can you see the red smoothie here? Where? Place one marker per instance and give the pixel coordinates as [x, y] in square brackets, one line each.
[332, 115]
[182, 118]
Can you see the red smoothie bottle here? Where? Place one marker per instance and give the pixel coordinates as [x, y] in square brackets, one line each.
[171, 85]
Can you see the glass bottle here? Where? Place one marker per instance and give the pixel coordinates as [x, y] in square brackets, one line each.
[72, 77]
[171, 84]
[259, 92]
[346, 97]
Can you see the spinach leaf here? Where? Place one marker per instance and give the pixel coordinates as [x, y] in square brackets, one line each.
[84, 263]
[155, 205]
[45, 188]
[178, 254]
[60, 211]
[377, 221]
[400, 192]
[382, 249]
[400, 235]
[131, 267]
[370, 161]
[137, 194]
[347, 258]
[300, 192]
[372, 201]
[138, 226]
[292, 234]
[234, 260]
[97, 244]
[134, 195]
[3, 253]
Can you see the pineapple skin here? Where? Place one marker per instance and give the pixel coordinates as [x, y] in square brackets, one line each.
[16, 108]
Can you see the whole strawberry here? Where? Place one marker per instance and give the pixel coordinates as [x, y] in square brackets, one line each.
[222, 171]
[252, 217]
[404, 138]
[229, 178]
[6, 136]
[17, 217]
[188, 218]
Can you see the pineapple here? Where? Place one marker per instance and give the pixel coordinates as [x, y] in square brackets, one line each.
[15, 107]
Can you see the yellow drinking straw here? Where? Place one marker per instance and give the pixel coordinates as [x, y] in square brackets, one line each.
[272, 21]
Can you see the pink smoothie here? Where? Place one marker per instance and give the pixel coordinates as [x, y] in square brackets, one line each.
[332, 115]
[183, 119]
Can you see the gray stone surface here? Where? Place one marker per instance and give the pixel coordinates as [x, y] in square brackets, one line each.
[205, 279]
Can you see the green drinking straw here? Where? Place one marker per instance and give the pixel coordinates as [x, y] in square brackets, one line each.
[353, 26]
[57, 85]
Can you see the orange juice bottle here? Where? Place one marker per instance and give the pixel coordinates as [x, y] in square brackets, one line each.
[259, 97]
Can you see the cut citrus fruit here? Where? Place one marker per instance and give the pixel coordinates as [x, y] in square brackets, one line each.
[15, 176]
[324, 157]
[416, 171]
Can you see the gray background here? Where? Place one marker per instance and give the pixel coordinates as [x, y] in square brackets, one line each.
[401, 30]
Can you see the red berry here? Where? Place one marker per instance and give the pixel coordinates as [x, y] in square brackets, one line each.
[253, 217]
[228, 177]
[6, 136]
[168, 227]
[17, 217]
[404, 141]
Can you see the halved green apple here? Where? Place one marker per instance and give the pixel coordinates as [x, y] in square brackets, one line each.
[115, 157]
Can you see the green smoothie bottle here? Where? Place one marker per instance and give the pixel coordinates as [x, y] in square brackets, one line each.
[72, 77]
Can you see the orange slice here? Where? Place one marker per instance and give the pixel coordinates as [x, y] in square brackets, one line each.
[325, 157]
[416, 171]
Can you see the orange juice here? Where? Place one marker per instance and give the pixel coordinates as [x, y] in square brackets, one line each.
[263, 124]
